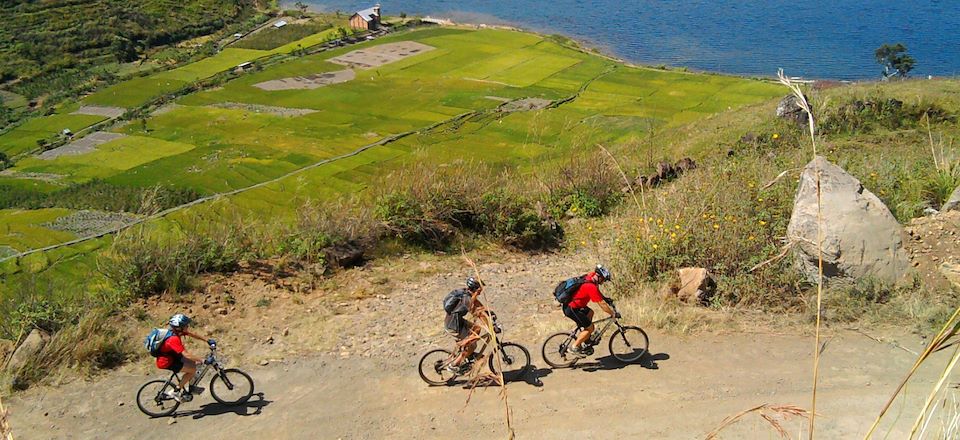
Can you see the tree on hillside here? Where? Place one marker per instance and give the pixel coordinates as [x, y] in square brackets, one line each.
[124, 49]
[4, 161]
[895, 60]
[302, 7]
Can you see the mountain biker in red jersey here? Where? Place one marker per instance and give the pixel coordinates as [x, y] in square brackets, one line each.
[174, 357]
[578, 308]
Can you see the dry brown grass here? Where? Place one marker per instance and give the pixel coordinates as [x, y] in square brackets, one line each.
[772, 414]
[6, 432]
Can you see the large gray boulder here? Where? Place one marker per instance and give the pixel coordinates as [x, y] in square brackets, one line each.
[953, 203]
[861, 238]
[29, 348]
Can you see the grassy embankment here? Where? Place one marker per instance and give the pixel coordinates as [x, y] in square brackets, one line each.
[716, 217]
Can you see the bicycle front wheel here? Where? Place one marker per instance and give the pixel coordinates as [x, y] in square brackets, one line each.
[433, 367]
[231, 387]
[152, 400]
[515, 360]
[555, 350]
[629, 344]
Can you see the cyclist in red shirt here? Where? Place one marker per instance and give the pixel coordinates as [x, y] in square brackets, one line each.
[174, 357]
[578, 308]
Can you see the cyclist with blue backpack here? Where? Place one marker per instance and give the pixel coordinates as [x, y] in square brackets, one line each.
[575, 295]
[458, 304]
[167, 346]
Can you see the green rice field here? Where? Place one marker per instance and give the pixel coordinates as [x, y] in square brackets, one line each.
[228, 138]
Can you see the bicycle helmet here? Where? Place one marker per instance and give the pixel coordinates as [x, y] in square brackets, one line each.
[473, 285]
[603, 274]
[179, 320]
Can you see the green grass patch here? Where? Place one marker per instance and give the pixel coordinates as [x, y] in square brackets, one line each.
[108, 159]
[273, 38]
[22, 229]
[207, 67]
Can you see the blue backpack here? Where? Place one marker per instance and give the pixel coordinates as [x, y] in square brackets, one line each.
[155, 340]
[567, 288]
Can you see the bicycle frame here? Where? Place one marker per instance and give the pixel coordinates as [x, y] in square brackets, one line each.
[202, 370]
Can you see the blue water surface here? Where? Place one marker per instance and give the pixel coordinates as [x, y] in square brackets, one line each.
[826, 39]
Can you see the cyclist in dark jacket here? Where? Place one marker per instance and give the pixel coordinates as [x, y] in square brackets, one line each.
[465, 331]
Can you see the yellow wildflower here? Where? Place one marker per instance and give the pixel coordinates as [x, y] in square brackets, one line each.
[750, 237]
[776, 136]
[763, 223]
[677, 227]
[655, 246]
[716, 226]
[673, 235]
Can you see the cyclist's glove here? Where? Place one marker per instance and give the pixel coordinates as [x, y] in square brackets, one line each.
[212, 342]
[617, 315]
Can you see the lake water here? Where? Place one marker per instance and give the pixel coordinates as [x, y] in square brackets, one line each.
[832, 39]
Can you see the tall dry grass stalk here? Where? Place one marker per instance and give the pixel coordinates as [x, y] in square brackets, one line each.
[493, 352]
[811, 125]
[6, 432]
[944, 339]
[772, 414]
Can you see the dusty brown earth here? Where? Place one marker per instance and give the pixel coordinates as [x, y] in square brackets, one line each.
[377, 56]
[308, 82]
[336, 358]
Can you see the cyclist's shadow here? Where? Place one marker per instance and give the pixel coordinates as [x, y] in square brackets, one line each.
[252, 407]
[608, 362]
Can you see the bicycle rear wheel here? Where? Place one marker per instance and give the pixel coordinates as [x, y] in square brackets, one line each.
[231, 387]
[555, 353]
[152, 401]
[433, 367]
[629, 344]
[515, 361]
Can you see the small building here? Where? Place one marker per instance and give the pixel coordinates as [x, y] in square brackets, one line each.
[280, 23]
[367, 19]
[66, 132]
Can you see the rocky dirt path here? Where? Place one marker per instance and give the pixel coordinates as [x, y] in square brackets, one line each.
[686, 389]
[337, 359]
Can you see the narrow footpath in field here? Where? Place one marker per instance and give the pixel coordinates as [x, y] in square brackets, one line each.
[329, 367]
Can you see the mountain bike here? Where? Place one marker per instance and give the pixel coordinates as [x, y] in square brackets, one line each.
[228, 386]
[513, 362]
[627, 343]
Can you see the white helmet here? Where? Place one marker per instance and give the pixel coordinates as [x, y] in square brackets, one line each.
[179, 320]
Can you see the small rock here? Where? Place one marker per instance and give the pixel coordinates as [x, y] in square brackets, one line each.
[286, 331]
[264, 363]
[172, 421]
[119, 403]
[220, 311]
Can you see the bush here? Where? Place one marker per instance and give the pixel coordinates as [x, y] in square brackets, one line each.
[877, 111]
[145, 264]
[716, 217]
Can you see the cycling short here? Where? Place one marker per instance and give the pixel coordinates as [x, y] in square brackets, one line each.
[580, 316]
[176, 366]
[464, 331]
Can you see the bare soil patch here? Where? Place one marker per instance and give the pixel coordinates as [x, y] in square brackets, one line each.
[269, 109]
[934, 246]
[97, 110]
[46, 177]
[86, 222]
[81, 146]
[377, 56]
[308, 82]
[526, 105]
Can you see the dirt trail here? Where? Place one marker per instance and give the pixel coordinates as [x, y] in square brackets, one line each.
[689, 386]
[339, 361]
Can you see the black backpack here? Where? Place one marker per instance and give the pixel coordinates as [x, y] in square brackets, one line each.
[567, 288]
[455, 302]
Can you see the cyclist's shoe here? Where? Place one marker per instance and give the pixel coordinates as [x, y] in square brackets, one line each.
[577, 351]
[173, 394]
[195, 390]
[455, 369]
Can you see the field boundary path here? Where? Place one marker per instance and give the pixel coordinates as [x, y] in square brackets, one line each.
[501, 109]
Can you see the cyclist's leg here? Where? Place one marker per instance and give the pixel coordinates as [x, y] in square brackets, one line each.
[189, 370]
[585, 317]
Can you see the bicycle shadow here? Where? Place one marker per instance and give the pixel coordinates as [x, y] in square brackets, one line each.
[608, 362]
[252, 407]
[531, 376]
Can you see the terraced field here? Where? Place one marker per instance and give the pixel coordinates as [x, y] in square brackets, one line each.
[220, 140]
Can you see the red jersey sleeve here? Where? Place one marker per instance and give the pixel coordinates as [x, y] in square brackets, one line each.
[592, 292]
[173, 344]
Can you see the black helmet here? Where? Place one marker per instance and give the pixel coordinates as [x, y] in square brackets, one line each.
[473, 285]
[603, 274]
